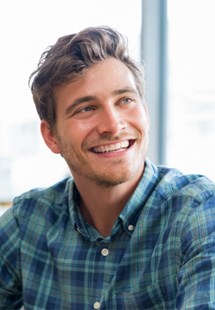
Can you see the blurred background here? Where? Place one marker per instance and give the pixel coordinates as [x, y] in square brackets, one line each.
[175, 41]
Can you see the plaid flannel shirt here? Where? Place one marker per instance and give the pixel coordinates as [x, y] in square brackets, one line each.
[160, 254]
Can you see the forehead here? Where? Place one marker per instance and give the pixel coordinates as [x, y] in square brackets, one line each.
[111, 70]
[102, 79]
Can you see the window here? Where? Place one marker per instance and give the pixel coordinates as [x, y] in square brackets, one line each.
[27, 27]
[191, 86]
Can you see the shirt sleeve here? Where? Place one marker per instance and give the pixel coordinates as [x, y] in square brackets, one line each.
[196, 278]
[10, 279]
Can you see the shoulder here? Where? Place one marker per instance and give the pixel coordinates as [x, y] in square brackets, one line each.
[172, 184]
[33, 213]
[189, 203]
[41, 201]
[183, 208]
[182, 200]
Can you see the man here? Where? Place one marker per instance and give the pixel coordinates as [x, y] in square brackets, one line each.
[122, 233]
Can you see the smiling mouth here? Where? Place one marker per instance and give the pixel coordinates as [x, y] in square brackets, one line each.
[123, 145]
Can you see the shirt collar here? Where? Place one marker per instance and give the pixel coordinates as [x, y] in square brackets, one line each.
[129, 215]
[135, 204]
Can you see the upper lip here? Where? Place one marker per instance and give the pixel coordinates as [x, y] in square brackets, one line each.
[108, 147]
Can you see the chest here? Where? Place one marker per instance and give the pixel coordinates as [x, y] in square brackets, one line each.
[69, 271]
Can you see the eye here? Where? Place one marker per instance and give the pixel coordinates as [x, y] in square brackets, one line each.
[127, 100]
[86, 109]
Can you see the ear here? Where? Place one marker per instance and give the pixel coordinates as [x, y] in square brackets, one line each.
[49, 137]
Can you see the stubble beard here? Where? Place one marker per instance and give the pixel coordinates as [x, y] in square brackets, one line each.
[115, 176]
[104, 180]
[81, 168]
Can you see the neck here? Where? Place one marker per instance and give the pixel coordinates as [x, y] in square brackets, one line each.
[101, 206]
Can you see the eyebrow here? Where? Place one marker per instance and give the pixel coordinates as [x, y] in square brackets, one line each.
[125, 90]
[77, 102]
[84, 99]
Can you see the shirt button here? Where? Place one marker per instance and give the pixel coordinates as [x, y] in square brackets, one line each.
[130, 227]
[105, 252]
[97, 305]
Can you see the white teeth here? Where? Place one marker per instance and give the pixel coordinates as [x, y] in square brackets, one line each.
[111, 147]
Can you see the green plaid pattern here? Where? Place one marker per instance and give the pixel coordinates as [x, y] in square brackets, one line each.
[160, 255]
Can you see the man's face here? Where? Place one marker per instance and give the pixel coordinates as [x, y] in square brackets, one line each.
[102, 125]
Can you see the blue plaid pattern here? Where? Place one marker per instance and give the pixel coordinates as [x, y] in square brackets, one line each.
[160, 255]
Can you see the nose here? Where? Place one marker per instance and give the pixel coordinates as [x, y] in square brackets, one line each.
[111, 122]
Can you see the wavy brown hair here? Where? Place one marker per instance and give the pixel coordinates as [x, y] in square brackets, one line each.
[70, 57]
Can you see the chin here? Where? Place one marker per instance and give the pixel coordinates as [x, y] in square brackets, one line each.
[109, 182]
[113, 179]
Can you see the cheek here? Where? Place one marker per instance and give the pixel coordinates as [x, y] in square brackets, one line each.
[71, 130]
[85, 131]
[75, 135]
[141, 120]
